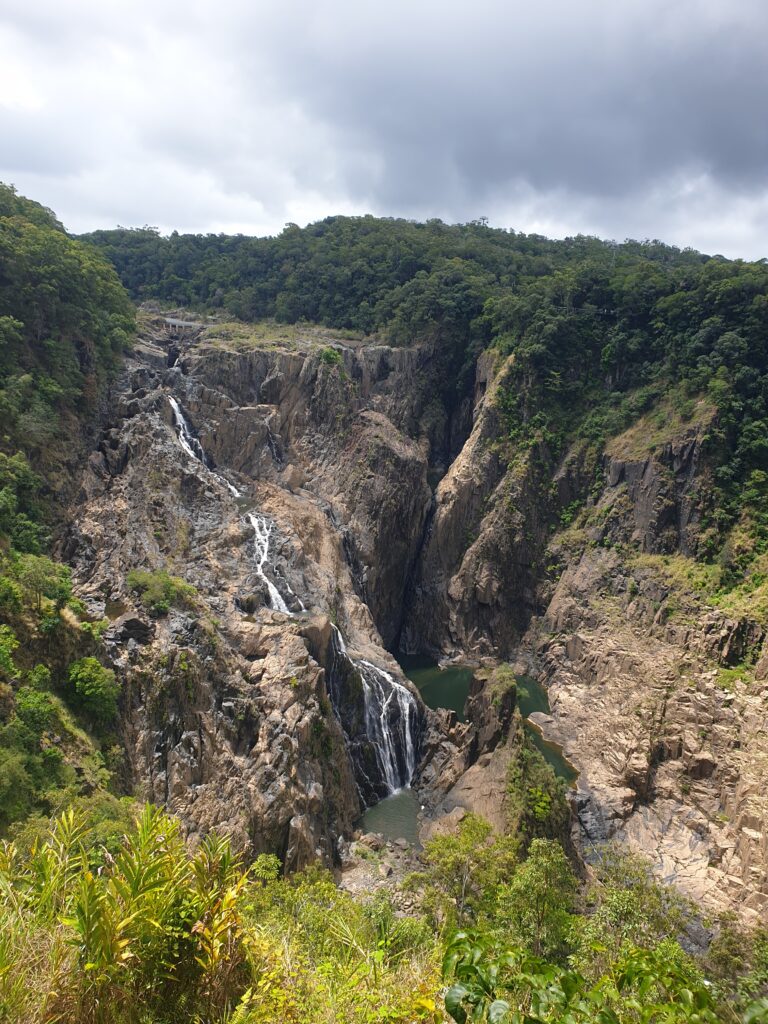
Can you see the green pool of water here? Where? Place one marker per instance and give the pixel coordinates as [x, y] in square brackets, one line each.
[439, 687]
[395, 817]
[449, 688]
[531, 696]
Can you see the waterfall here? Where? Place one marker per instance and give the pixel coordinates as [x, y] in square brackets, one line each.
[381, 720]
[192, 446]
[291, 591]
[262, 527]
[380, 717]
[274, 451]
[395, 727]
[263, 530]
[187, 439]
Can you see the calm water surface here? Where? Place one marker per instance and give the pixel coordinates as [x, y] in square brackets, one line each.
[395, 817]
[439, 687]
[531, 696]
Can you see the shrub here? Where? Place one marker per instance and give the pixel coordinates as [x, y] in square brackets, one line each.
[96, 689]
[158, 591]
[331, 356]
[16, 787]
[39, 677]
[35, 709]
[8, 644]
[10, 595]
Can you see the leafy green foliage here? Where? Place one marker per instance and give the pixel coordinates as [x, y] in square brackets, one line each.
[331, 356]
[105, 929]
[660, 986]
[64, 321]
[107, 917]
[42, 579]
[628, 908]
[48, 757]
[20, 511]
[462, 871]
[537, 905]
[8, 644]
[158, 591]
[737, 961]
[64, 318]
[536, 804]
[96, 689]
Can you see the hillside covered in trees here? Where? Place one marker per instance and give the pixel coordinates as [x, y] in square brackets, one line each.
[65, 320]
[601, 332]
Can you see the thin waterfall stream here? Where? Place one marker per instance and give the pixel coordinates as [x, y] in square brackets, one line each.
[262, 526]
[263, 530]
[192, 446]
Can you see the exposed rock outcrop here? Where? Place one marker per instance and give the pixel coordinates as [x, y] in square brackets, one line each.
[474, 589]
[227, 710]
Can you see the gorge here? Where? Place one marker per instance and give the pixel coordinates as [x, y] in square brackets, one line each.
[399, 582]
[275, 709]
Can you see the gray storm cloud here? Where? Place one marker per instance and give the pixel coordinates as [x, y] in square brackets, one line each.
[621, 119]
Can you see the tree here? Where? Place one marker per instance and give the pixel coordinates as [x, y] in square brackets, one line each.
[42, 578]
[96, 689]
[538, 903]
[463, 870]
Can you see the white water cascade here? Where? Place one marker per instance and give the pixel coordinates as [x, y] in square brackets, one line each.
[192, 446]
[263, 530]
[381, 720]
[262, 527]
[187, 439]
[379, 715]
[391, 730]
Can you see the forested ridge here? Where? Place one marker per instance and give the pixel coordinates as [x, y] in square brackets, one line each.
[64, 322]
[106, 916]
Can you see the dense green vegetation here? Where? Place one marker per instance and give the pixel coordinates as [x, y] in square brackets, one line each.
[107, 918]
[57, 701]
[64, 320]
[157, 591]
[600, 332]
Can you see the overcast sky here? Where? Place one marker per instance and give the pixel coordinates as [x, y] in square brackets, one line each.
[621, 118]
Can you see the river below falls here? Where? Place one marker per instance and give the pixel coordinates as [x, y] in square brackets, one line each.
[396, 816]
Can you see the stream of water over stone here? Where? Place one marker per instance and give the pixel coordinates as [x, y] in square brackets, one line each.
[396, 817]
[262, 527]
[381, 721]
[263, 530]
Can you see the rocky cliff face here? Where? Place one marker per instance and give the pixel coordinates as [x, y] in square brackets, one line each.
[244, 711]
[295, 479]
[671, 751]
[474, 589]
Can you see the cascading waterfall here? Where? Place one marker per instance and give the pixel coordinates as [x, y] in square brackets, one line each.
[380, 716]
[187, 439]
[262, 526]
[381, 721]
[391, 714]
[192, 446]
[263, 530]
